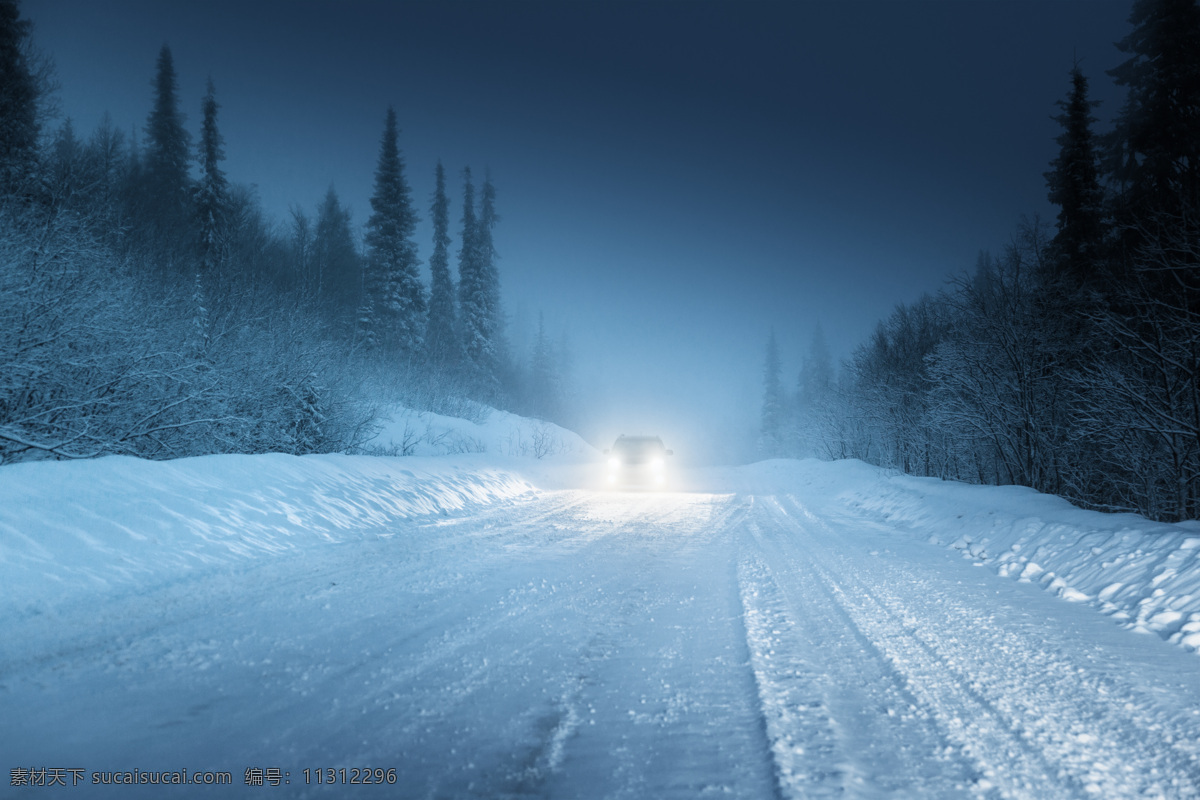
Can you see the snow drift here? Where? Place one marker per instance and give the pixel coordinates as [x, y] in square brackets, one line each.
[119, 522]
[1144, 574]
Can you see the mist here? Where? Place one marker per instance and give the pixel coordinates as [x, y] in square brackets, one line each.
[671, 183]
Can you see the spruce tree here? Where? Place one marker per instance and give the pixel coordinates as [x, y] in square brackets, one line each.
[394, 282]
[109, 158]
[477, 345]
[479, 289]
[1074, 186]
[165, 159]
[488, 272]
[18, 103]
[544, 385]
[336, 267]
[212, 191]
[441, 342]
[773, 412]
[816, 372]
[1155, 149]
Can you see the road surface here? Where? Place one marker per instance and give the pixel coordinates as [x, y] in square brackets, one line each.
[580, 644]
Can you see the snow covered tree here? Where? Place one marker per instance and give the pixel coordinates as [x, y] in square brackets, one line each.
[1140, 396]
[488, 269]
[441, 340]
[166, 183]
[545, 384]
[393, 283]
[212, 193]
[998, 387]
[1074, 186]
[816, 371]
[475, 322]
[812, 393]
[109, 161]
[18, 102]
[65, 173]
[891, 388]
[774, 409]
[1155, 149]
[479, 290]
[336, 267]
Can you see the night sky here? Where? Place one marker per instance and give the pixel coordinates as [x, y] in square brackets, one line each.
[673, 178]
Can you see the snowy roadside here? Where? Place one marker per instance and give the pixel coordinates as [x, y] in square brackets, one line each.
[117, 523]
[1144, 574]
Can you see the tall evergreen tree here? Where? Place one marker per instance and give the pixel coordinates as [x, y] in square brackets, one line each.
[212, 192]
[109, 158]
[1156, 143]
[65, 173]
[544, 384]
[478, 347]
[336, 269]
[441, 343]
[18, 102]
[165, 159]
[1074, 186]
[488, 270]
[816, 371]
[771, 430]
[394, 281]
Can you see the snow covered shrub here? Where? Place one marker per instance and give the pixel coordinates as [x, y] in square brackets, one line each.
[82, 370]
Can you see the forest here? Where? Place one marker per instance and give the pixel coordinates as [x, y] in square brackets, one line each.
[1069, 361]
[148, 307]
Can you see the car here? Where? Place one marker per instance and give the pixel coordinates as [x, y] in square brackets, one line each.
[637, 461]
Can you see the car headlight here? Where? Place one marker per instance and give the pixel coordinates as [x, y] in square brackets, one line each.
[657, 464]
[614, 462]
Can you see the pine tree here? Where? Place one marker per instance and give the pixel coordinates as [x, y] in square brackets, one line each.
[337, 271]
[1155, 149]
[772, 423]
[64, 174]
[165, 159]
[109, 157]
[1074, 186]
[816, 371]
[18, 102]
[479, 289]
[441, 343]
[478, 347]
[212, 192]
[544, 386]
[394, 281]
[489, 273]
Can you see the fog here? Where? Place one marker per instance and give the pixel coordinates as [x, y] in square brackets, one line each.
[673, 180]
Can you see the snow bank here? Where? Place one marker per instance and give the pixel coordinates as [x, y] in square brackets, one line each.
[1144, 574]
[421, 433]
[120, 521]
[110, 522]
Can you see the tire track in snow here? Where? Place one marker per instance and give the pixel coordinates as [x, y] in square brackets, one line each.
[839, 720]
[802, 744]
[574, 669]
[1036, 724]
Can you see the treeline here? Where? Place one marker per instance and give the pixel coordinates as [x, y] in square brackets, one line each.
[1070, 362]
[148, 307]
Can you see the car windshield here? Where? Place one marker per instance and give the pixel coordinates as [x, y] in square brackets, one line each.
[638, 446]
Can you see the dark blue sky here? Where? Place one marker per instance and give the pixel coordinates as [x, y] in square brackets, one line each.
[673, 177]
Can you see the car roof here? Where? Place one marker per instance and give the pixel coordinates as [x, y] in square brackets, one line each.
[623, 439]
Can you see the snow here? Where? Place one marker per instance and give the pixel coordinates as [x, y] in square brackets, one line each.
[1142, 573]
[485, 623]
[114, 522]
[422, 433]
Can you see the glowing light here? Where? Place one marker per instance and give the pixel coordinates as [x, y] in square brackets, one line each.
[614, 462]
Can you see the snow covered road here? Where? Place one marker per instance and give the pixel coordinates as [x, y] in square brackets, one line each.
[732, 643]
